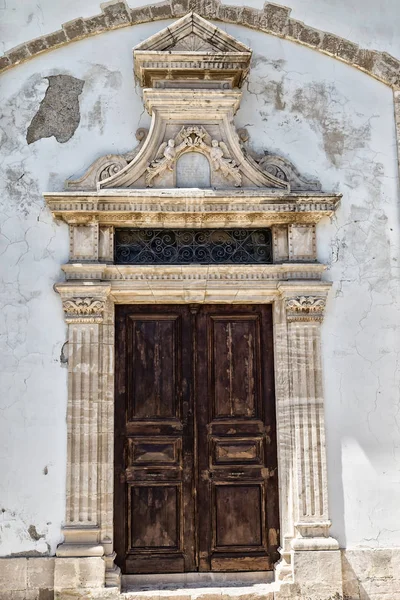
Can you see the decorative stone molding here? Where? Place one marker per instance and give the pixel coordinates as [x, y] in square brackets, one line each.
[305, 308]
[283, 169]
[83, 310]
[272, 19]
[193, 138]
[106, 166]
[309, 541]
[186, 46]
[191, 207]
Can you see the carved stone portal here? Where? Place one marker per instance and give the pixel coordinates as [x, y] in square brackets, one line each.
[192, 72]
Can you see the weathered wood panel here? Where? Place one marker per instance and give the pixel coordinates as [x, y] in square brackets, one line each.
[195, 447]
[237, 491]
[154, 504]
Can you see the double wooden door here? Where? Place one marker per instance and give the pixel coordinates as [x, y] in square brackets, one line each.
[195, 439]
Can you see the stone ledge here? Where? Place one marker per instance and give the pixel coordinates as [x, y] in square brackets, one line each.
[374, 572]
[273, 19]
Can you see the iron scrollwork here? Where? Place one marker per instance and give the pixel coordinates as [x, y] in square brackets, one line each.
[192, 246]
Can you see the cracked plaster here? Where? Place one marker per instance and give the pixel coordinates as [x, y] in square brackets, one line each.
[336, 125]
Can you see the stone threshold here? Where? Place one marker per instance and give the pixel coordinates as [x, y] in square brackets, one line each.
[200, 586]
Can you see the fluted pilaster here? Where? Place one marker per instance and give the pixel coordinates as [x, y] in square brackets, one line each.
[304, 315]
[84, 308]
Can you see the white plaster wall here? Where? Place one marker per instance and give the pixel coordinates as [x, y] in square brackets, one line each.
[335, 124]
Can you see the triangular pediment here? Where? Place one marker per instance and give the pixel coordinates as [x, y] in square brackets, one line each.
[192, 49]
[192, 33]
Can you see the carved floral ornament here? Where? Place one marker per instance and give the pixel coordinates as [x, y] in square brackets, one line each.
[305, 308]
[83, 310]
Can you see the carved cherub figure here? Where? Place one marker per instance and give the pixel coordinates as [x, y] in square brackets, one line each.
[222, 161]
[164, 160]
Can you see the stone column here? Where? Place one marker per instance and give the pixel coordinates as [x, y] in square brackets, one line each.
[315, 554]
[80, 561]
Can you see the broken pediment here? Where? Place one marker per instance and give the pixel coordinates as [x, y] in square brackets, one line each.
[191, 72]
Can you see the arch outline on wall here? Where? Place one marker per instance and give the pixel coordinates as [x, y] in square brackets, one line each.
[272, 19]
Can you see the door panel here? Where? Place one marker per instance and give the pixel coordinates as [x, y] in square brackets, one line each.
[195, 448]
[153, 387]
[154, 507]
[233, 346]
[237, 488]
[238, 516]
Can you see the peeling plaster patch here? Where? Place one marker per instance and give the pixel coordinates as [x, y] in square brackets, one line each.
[279, 95]
[339, 134]
[101, 74]
[64, 355]
[95, 117]
[260, 59]
[34, 534]
[22, 189]
[16, 533]
[58, 113]
[16, 113]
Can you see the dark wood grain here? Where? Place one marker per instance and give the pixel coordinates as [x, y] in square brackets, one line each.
[154, 505]
[195, 439]
[238, 487]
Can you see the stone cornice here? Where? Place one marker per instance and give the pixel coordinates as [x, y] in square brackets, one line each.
[192, 273]
[191, 207]
[191, 283]
[194, 283]
[272, 19]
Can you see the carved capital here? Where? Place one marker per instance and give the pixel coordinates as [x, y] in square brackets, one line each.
[83, 310]
[305, 308]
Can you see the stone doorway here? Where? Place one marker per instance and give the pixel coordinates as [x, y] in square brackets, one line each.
[192, 104]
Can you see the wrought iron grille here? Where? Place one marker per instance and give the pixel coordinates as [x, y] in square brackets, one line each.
[192, 246]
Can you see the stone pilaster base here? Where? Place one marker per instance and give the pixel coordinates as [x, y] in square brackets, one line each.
[317, 575]
[79, 575]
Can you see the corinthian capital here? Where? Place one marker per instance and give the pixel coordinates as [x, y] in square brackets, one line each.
[83, 303]
[305, 308]
[83, 310]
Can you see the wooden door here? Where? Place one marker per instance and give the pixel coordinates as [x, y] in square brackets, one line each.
[238, 490]
[195, 448]
[154, 506]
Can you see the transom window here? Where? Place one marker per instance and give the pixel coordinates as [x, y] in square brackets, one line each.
[192, 246]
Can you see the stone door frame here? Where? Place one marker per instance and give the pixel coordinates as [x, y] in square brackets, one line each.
[298, 309]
